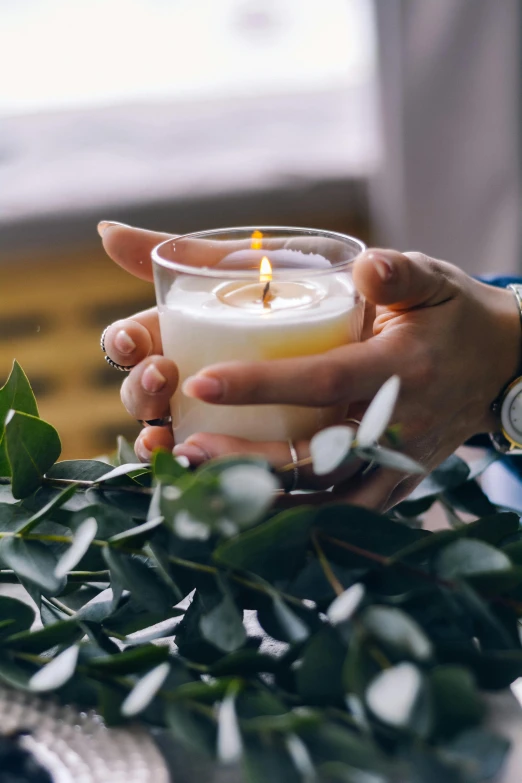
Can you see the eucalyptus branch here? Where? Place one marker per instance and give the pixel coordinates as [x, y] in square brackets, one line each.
[335, 584]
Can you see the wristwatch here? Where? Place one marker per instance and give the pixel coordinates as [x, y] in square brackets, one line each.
[509, 405]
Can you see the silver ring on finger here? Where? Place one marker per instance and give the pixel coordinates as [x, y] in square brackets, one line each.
[156, 422]
[108, 359]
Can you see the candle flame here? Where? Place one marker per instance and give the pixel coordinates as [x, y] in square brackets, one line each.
[257, 240]
[265, 270]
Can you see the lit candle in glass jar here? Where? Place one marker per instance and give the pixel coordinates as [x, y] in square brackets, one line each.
[228, 302]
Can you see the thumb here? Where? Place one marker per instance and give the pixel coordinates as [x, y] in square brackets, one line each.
[403, 280]
[130, 247]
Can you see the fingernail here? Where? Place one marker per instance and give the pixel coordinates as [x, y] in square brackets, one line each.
[103, 225]
[383, 267]
[142, 452]
[193, 453]
[152, 380]
[204, 387]
[123, 342]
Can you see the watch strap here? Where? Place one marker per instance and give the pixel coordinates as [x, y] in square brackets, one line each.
[500, 442]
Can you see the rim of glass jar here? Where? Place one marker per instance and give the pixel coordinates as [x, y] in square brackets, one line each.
[252, 274]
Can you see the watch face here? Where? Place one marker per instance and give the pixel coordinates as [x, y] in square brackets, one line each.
[511, 413]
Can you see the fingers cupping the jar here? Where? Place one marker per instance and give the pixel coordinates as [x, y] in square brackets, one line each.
[130, 340]
[147, 390]
[201, 447]
[353, 372]
[151, 438]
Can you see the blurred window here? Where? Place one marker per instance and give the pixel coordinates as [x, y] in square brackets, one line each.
[110, 100]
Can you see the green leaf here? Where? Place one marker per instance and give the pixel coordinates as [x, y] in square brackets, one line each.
[33, 446]
[469, 497]
[319, 678]
[166, 467]
[397, 631]
[16, 394]
[266, 759]
[379, 413]
[79, 469]
[138, 535]
[394, 460]
[145, 690]
[122, 470]
[457, 704]
[194, 730]
[223, 625]
[33, 561]
[329, 448]
[48, 509]
[229, 744]
[17, 616]
[468, 557]
[478, 750]
[346, 605]
[393, 695]
[248, 492]
[274, 550]
[363, 528]
[141, 580]
[64, 632]
[295, 629]
[57, 672]
[125, 451]
[131, 661]
[83, 538]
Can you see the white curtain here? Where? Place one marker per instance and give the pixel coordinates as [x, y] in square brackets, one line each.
[449, 183]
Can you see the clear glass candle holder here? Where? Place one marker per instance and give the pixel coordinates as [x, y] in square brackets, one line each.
[254, 294]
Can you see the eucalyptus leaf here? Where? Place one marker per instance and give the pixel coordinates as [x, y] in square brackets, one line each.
[393, 460]
[248, 491]
[130, 661]
[57, 672]
[124, 451]
[274, 550]
[79, 470]
[393, 694]
[166, 467]
[82, 540]
[17, 616]
[141, 579]
[296, 630]
[329, 448]
[395, 629]
[229, 744]
[379, 413]
[16, 394]
[32, 561]
[138, 535]
[123, 470]
[468, 557]
[33, 446]
[145, 690]
[47, 510]
[346, 604]
[64, 632]
[223, 625]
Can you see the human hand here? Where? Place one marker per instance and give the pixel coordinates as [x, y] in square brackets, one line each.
[454, 342]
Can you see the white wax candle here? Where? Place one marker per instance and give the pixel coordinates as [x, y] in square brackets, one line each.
[205, 321]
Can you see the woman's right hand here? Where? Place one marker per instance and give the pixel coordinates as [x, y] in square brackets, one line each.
[454, 342]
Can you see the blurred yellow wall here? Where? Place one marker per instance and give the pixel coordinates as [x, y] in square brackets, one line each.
[53, 310]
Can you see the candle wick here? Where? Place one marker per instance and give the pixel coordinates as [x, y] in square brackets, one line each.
[266, 292]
